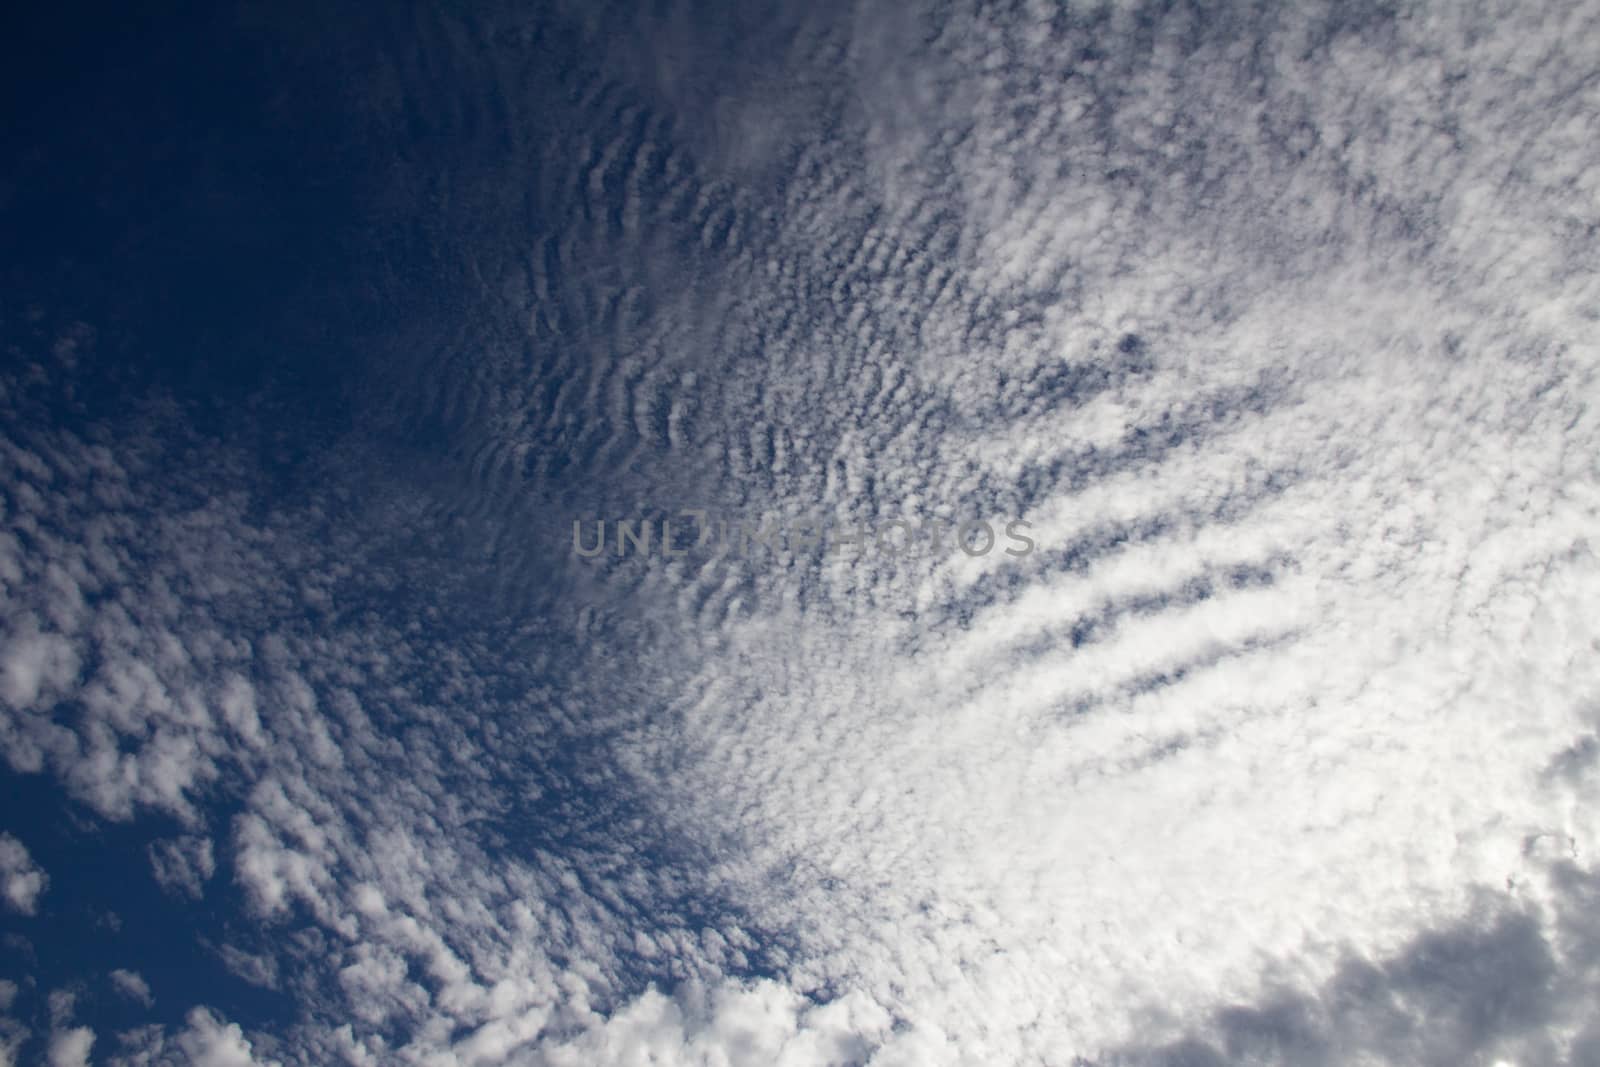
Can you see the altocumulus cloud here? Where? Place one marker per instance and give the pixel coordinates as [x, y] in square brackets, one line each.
[1279, 328]
[21, 879]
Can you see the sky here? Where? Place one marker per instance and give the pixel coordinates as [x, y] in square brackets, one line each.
[329, 339]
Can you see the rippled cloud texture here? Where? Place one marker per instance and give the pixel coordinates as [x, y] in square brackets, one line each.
[1279, 326]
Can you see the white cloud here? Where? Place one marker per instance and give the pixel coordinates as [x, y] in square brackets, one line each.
[205, 1040]
[32, 664]
[132, 985]
[1025, 835]
[209, 1042]
[733, 1024]
[70, 1048]
[22, 881]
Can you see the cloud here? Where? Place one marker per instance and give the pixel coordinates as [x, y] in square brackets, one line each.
[1275, 327]
[183, 864]
[1507, 983]
[209, 1042]
[22, 881]
[205, 1040]
[763, 1022]
[70, 1048]
[34, 664]
[471, 882]
[12, 1033]
[133, 986]
[259, 970]
[956, 785]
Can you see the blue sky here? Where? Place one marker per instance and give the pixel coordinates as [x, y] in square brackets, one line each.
[1275, 325]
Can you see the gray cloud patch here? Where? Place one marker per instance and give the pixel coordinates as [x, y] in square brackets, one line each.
[1509, 983]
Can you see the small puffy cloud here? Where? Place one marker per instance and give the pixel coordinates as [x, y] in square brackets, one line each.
[63, 1002]
[21, 880]
[70, 1048]
[205, 1041]
[183, 864]
[210, 1042]
[761, 1022]
[12, 1033]
[34, 664]
[133, 986]
[258, 970]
